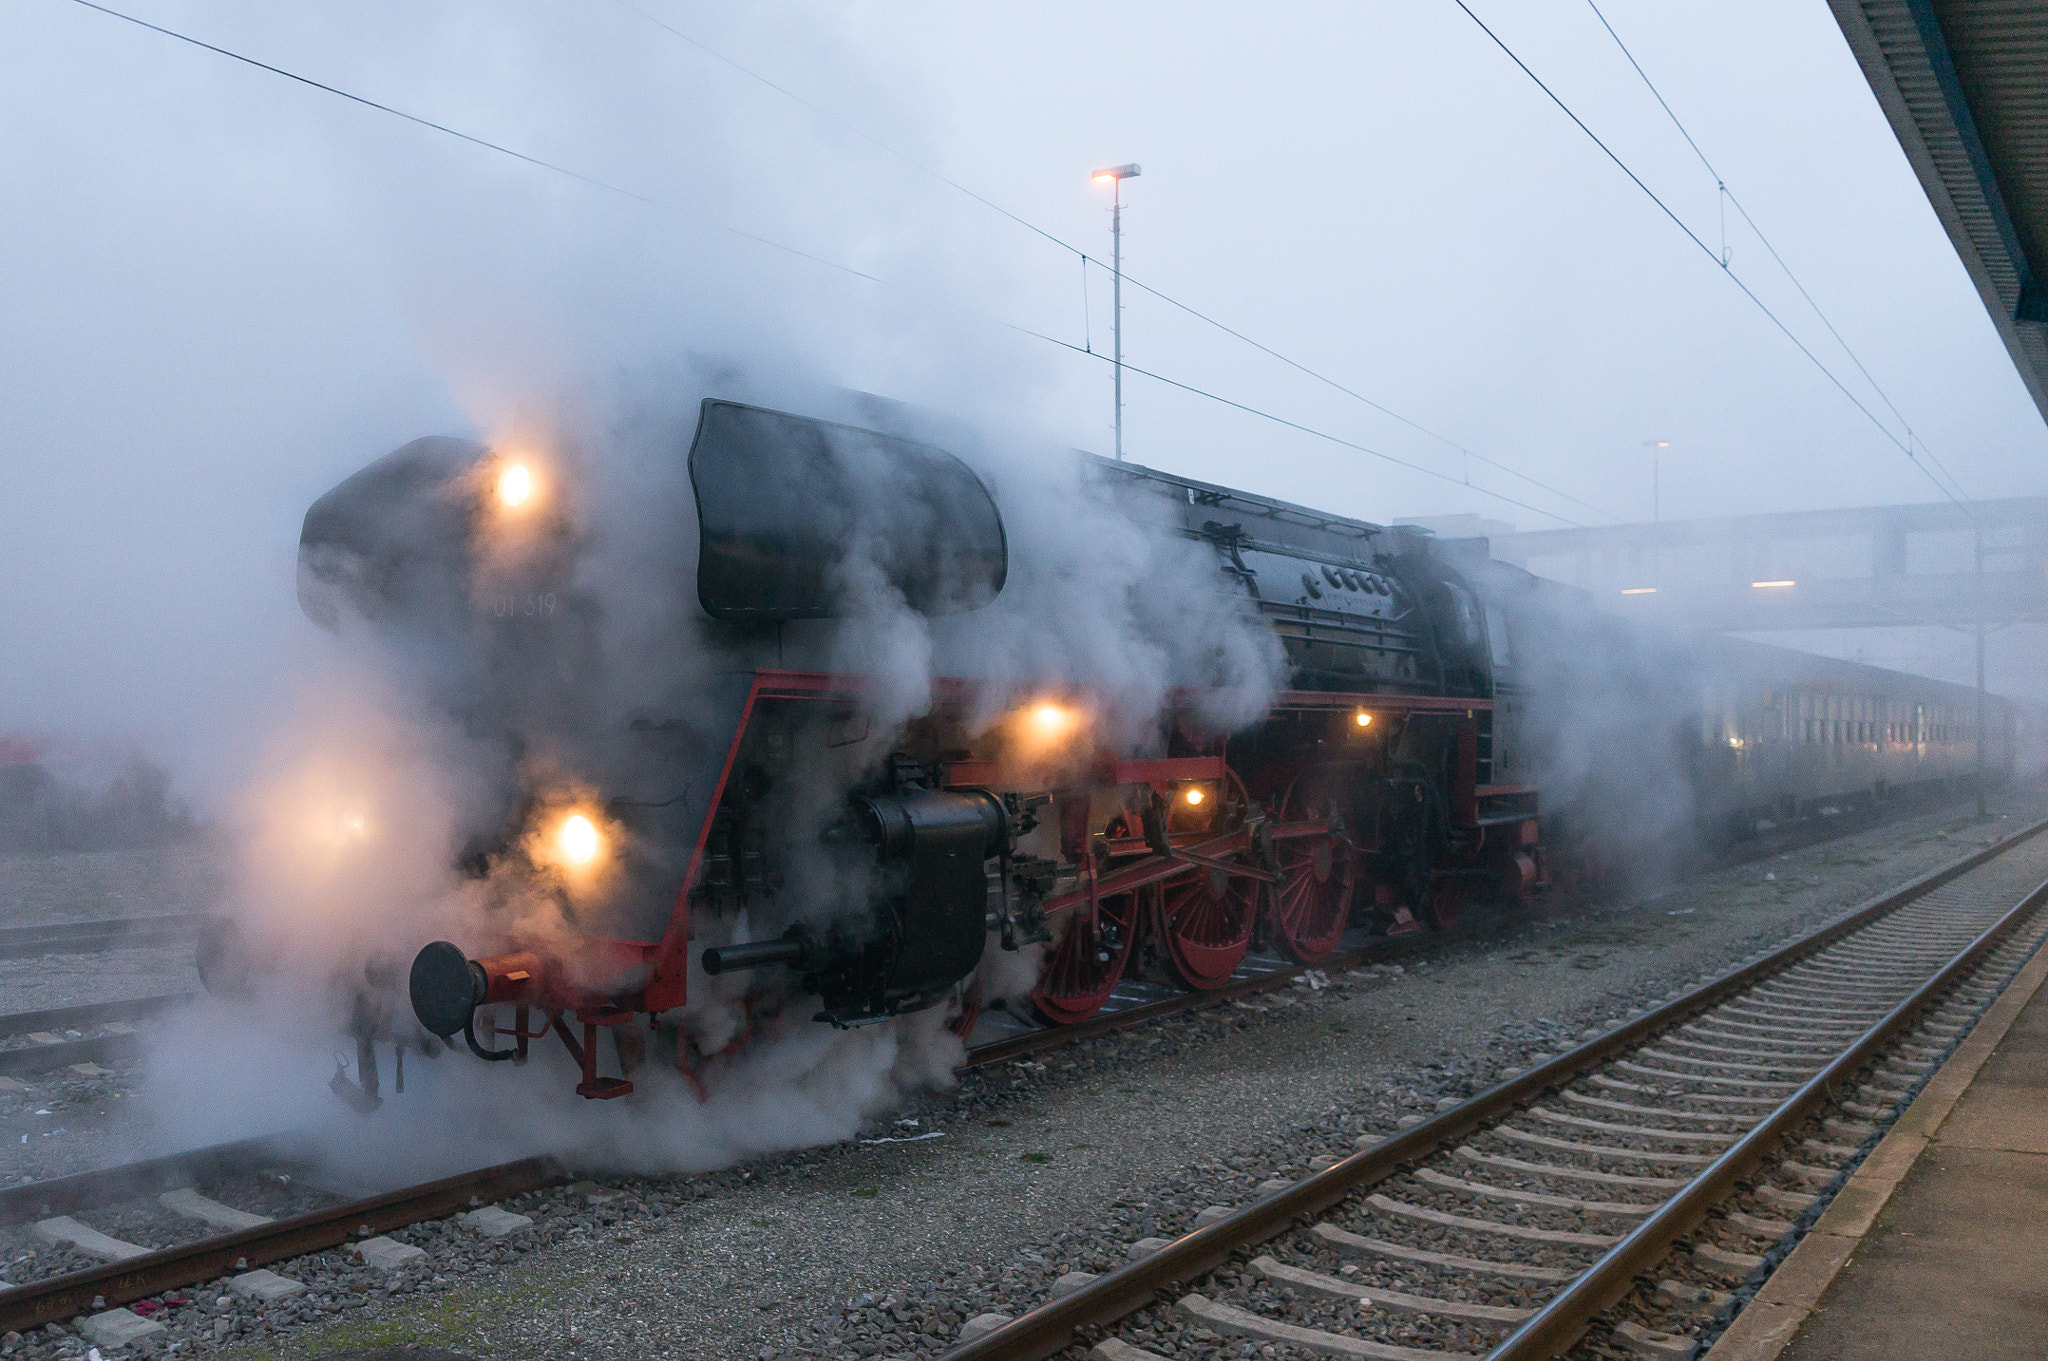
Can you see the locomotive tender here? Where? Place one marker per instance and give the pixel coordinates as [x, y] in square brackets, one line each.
[780, 837]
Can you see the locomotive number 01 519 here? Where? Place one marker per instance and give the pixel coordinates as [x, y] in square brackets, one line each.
[538, 605]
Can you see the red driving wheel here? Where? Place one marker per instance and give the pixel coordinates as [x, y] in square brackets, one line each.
[1206, 918]
[1083, 968]
[1312, 901]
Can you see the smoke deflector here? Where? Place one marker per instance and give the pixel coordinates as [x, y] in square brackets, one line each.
[792, 509]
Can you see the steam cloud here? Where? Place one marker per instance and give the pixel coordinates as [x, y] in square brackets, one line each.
[396, 760]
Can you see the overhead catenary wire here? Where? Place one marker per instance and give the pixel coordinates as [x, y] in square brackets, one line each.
[1087, 259]
[830, 117]
[1708, 251]
[646, 200]
[1359, 396]
[1727, 196]
[1380, 454]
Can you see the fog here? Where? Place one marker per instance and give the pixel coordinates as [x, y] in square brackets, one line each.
[231, 289]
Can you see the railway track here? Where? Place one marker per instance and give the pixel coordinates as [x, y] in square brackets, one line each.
[58, 1037]
[282, 1208]
[185, 1199]
[1512, 1224]
[98, 936]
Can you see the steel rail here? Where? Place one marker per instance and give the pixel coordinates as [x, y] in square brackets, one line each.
[47, 1057]
[119, 1283]
[97, 937]
[44, 1058]
[1559, 1323]
[90, 1014]
[1118, 1293]
[103, 1186]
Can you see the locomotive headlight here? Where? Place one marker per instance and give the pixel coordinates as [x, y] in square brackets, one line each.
[1043, 732]
[579, 840]
[1194, 798]
[515, 485]
[339, 828]
[1051, 721]
[1362, 719]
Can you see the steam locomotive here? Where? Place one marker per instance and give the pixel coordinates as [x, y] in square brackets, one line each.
[773, 841]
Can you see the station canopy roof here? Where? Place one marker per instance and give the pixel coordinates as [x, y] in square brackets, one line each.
[1965, 85]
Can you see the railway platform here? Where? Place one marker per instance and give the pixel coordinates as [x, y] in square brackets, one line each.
[1934, 1248]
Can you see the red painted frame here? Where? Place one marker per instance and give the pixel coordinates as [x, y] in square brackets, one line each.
[667, 960]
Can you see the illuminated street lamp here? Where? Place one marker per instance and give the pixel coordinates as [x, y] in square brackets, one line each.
[1116, 175]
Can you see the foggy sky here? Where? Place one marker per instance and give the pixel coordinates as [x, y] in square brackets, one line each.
[228, 291]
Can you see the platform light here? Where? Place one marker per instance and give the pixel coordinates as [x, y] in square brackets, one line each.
[1770, 585]
[515, 485]
[1639, 590]
[579, 839]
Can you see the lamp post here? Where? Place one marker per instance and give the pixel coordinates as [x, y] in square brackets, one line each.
[1116, 175]
[1656, 448]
